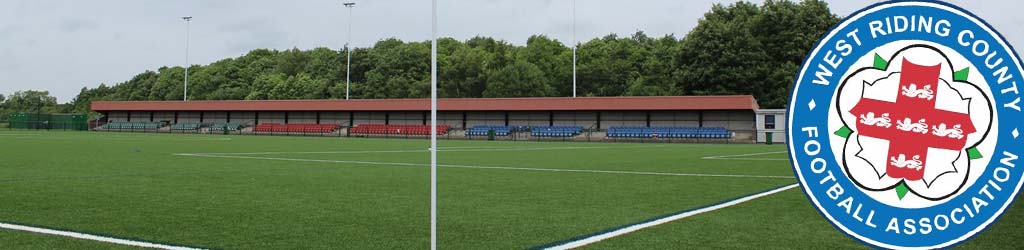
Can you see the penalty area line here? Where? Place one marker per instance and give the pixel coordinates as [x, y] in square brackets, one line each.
[618, 231]
[91, 237]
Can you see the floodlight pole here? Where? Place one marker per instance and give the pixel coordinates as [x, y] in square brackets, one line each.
[348, 65]
[573, 48]
[433, 125]
[188, 20]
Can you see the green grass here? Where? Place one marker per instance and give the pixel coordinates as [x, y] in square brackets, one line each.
[24, 240]
[783, 221]
[134, 186]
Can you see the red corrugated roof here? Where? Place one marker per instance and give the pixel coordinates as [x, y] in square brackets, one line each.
[738, 102]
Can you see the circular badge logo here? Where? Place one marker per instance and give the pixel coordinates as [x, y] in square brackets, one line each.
[904, 125]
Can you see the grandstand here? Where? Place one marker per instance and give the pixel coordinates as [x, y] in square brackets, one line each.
[669, 118]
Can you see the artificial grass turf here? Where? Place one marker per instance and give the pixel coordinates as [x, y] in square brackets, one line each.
[17, 240]
[786, 220]
[134, 186]
[782, 221]
[138, 189]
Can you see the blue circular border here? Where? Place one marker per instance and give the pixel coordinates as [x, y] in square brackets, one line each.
[952, 235]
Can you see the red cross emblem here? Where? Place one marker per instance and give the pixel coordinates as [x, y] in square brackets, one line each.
[917, 124]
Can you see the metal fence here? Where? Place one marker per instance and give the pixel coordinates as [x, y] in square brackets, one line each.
[37, 121]
[45, 125]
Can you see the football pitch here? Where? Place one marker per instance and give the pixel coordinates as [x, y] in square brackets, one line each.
[277, 192]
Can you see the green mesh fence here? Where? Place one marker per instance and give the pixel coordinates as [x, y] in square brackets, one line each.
[48, 121]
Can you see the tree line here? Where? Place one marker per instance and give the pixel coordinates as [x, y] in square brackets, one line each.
[741, 48]
[31, 101]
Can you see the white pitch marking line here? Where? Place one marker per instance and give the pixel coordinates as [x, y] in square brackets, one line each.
[92, 237]
[620, 172]
[314, 152]
[492, 167]
[737, 157]
[455, 149]
[123, 138]
[747, 159]
[641, 226]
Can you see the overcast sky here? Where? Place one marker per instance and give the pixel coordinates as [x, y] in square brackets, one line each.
[62, 46]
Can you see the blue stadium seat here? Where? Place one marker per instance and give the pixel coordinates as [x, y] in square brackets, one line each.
[669, 132]
[483, 130]
[556, 131]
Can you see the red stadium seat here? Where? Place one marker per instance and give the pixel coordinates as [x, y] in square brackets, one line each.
[382, 129]
[296, 128]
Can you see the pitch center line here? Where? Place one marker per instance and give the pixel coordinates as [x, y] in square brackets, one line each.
[91, 237]
[590, 239]
[490, 167]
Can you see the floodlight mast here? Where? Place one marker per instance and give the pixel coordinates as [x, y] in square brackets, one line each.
[348, 65]
[433, 125]
[573, 48]
[188, 20]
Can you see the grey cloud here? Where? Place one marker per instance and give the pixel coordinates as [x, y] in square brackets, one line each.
[6, 33]
[6, 60]
[248, 34]
[70, 26]
[256, 39]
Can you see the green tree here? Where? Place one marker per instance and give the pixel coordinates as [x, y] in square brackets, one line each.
[291, 62]
[466, 73]
[520, 79]
[298, 87]
[31, 101]
[138, 88]
[746, 49]
[400, 70]
[326, 64]
[170, 85]
[789, 30]
[218, 81]
[263, 87]
[255, 64]
[554, 59]
[659, 70]
[3, 110]
[722, 55]
[741, 48]
[501, 52]
[606, 65]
